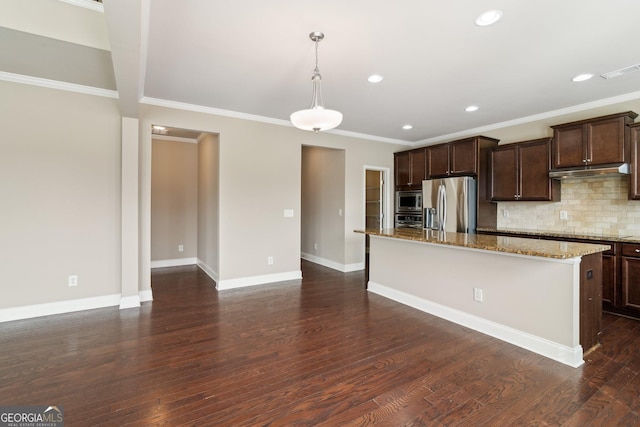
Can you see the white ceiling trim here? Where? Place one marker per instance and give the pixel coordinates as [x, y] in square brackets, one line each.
[87, 4]
[244, 116]
[542, 116]
[55, 84]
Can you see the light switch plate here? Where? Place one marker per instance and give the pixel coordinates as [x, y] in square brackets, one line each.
[288, 213]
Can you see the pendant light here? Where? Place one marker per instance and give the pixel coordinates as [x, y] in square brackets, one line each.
[316, 118]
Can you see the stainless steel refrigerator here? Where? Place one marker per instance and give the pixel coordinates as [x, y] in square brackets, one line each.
[450, 204]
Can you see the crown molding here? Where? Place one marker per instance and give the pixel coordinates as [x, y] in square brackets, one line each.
[244, 116]
[55, 84]
[528, 119]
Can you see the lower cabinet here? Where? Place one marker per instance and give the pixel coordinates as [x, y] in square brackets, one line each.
[590, 301]
[630, 269]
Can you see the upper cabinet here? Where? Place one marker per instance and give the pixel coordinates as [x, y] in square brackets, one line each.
[457, 158]
[634, 183]
[410, 168]
[597, 141]
[520, 172]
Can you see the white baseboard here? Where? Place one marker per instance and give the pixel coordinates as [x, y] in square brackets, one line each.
[345, 268]
[178, 262]
[48, 309]
[210, 271]
[130, 302]
[146, 295]
[561, 353]
[258, 280]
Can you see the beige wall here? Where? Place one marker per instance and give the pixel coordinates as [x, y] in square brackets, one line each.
[174, 199]
[322, 210]
[60, 173]
[259, 177]
[60, 193]
[208, 204]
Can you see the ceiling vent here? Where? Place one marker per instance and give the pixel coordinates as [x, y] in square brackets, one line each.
[620, 72]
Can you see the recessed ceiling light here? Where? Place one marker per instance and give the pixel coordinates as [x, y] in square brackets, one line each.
[471, 108]
[582, 77]
[375, 78]
[488, 18]
[407, 127]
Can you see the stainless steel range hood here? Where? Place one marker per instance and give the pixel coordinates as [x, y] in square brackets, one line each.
[591, 171]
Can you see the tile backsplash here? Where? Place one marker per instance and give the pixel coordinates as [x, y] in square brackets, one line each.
[592, 205]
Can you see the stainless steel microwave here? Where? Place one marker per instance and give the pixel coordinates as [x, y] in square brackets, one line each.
[409, 201]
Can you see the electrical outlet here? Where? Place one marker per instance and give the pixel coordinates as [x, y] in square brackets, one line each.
[339, 212]
[505, 213]
[180, 248]
[477, 294]
[72, 281]
[315, 246]
[564, 215]
[270, 260]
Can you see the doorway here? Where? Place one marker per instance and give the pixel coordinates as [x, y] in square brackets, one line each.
[184, 199]
[376, 198]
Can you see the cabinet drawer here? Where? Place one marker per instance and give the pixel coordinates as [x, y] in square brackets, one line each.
[631, 249]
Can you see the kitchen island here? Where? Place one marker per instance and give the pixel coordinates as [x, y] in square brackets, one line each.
[540, 295]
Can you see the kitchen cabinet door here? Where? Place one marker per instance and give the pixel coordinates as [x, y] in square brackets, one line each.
[463, 157]
[534, 162]
[403, 168]
[630, 275]
[520, 172]
[418, 166]
[606, 141]
[438, 161]
[410, 167]
[504, 173]
[568, 147]
[597, 141]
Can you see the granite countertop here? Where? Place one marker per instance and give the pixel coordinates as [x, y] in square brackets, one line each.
[513, 245]
[563, 235]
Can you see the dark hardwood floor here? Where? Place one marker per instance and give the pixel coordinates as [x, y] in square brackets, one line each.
[317, 352]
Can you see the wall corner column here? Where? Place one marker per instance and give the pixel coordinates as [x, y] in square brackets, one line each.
[129, 214]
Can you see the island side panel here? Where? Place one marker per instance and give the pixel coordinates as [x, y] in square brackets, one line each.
[535, 295]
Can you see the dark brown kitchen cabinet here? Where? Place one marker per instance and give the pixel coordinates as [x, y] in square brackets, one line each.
[438, 160]
[630, 269]
[457, 158]
[634, 183]
[598, 141]
[520, 172]
[609, 278]
[590, 301]
[410, 168]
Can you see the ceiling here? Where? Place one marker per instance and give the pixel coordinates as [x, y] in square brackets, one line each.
[254, 59]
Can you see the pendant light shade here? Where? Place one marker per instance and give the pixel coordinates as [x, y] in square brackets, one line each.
[316, 118]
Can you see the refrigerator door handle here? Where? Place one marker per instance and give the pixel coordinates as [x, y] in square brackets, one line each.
[442, 208]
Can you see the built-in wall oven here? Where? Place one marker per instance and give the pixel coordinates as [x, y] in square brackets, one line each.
[408, 220]
[408, 209]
